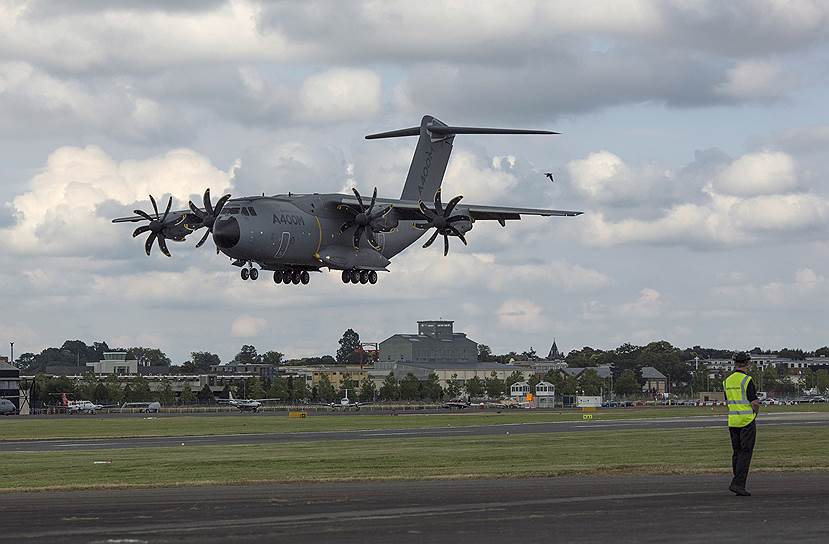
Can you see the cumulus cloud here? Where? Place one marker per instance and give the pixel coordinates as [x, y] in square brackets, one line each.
[604, 177]
[755, 80]
[246, 326]
[761, 173]
[520, 314]
[340, 94]
[59, 214]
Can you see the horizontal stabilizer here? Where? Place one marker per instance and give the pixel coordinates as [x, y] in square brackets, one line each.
[443, 130]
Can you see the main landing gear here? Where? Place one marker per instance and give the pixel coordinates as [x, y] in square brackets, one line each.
[292, 276]
[251, 273]
[359, 276]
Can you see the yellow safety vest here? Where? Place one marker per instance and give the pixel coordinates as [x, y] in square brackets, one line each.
[740, 411]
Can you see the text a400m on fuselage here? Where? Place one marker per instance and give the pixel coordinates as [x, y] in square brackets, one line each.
[295, 234]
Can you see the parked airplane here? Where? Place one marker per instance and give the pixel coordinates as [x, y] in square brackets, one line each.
[244, 405]
[79, 406]
[7, 408]
[346, 403]
[144, 407]
[460, 404]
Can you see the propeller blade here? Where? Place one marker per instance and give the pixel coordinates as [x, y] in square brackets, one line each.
[430, 215]
[203, 238]
[358, 232]
[169, 205]
[155, 207]
[359, 199]
[438, 206]
[140, 230]
[143, 214]
[457, 233]
[451, 205]
[220, 205]
[197, 212]
[372, 240]
[207, 205]
[148, 243]
[432, 239]
[445, 244]
[373, 200]
[346, 226]
[381, 213]
[163, 245]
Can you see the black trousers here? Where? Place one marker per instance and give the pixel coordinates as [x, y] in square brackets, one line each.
[742, 446]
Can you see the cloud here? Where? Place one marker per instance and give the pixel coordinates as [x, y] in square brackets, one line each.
[604, 177]
[755, 80]
[59, 214]
[246, 326]
[517, 314]
[340, 94]
[761, 173]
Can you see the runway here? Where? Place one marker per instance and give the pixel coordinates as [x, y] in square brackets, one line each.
[819, 419]
[784, 507]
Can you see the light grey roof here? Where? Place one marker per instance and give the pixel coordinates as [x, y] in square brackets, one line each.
[443, 365]
[602, 371]
[650, 373]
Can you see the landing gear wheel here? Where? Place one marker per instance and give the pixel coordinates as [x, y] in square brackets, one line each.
[372, 277]
[304, 277]
[254, 274]
[286, 277]
[364, 277]
[355, 276]
[295, 278]
[245, 273]
[346, 276]
[277, 277]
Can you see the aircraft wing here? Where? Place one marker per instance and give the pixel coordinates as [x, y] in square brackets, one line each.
[410, 210]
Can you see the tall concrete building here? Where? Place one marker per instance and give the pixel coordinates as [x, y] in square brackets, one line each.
[435, 342]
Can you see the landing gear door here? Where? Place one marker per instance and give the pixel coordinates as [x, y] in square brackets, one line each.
[284, 242]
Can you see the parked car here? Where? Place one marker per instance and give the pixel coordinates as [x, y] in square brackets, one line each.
[814, 400]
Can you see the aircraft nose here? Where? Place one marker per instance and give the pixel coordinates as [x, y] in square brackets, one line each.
[226, 232]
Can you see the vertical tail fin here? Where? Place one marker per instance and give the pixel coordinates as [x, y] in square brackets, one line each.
[432, 153]
[64, 400]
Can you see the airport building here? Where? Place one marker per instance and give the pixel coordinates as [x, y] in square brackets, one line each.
[115, 362]
[446, 371]
[435, 342]
[654, 381]
[10, 383]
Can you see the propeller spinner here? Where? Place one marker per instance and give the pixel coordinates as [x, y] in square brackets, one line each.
[209, 214]
[365, 220]
[441, 220]
[155, 227]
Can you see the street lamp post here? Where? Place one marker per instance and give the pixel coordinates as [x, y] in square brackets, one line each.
[11, 349]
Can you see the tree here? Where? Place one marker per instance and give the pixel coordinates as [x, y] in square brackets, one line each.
[140, 389]
[409, 387]
[453, 387]
[100, 395]
[515, 377]
[127, 394]
[474, 387]
[348, 384]
[556, 378]
[26, 360]
[530, 355]
[86, 388]
[485, 353]
[590, 383]
[187, 396]
[586, 356]
[148, 356]
[819, 352]
[367, 390]
[390, 390]
[256, 391]
[822, 380]
[246, 356]
[808, 378]
[166, 396]
[325, 389]
[278, 389]
[494, 386]
[431, 388]
[348, 344]
[298, 389]
[272, 358]
[627, 384]
[770, 379]
[202, 361]
[206, 395]
[114, 391]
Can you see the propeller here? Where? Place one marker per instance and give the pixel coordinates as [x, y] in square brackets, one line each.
[441, 220]
[365, 220]
[209, 215]
[155, 228]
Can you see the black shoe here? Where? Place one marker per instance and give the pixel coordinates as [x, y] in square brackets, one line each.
[739, 491]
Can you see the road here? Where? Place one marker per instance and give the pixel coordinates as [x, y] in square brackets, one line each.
[785, 507]
[820, 419]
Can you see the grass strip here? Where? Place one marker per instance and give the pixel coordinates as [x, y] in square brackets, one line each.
[507, 456]
[42, 427]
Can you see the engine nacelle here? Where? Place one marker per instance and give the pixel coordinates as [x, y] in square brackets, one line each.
[463, 226]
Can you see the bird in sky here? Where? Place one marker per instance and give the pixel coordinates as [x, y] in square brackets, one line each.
[550, 175]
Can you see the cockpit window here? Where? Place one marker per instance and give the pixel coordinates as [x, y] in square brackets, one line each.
[245, 211]
[231, 211]
[252, 211]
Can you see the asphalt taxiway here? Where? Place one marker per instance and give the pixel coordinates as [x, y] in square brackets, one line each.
[785, 507]
[814, 419]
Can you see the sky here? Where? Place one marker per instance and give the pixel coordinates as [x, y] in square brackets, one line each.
[693, 136]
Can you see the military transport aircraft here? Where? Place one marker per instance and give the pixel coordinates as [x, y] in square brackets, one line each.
[295, 234]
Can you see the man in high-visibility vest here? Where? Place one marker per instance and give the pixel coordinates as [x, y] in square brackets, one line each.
[743, 406]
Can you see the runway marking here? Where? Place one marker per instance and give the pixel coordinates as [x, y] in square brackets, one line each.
[418, 433]
[353, 515]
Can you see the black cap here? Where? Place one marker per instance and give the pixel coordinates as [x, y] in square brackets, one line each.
[741, 357]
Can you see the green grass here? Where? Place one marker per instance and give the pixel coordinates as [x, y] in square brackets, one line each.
[512, 456]
[38, 427]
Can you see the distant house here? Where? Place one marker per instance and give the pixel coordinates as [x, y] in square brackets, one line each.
[655, 381]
